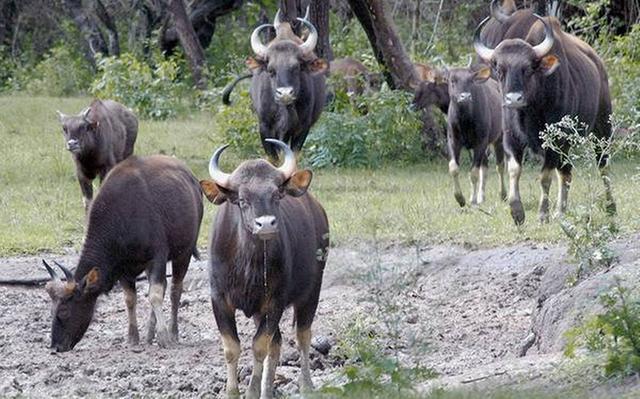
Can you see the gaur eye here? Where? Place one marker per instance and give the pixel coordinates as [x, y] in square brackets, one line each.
[243, 203]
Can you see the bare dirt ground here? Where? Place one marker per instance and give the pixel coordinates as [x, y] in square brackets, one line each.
[480, 309]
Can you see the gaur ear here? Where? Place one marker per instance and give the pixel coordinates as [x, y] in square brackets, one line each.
[549, 64]
[91, 282]
[253, 63]
[215, 194]
[93, 125]
[431, 76]
[298, 183]
[318, 65]
[482, 75]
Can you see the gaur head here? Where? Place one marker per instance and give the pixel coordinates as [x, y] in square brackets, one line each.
[461, 80]
[502, 12]
[429, 91]
[286, 58]
[519, 67]
[76, 129]
[256, 187]
[72, 307]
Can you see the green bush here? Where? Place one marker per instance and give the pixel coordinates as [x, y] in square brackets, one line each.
[62, 72]
[151, 91]
[615, 333]
[238, 125]
[389, 131]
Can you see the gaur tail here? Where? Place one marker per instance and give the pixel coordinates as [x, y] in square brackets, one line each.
[227, 90]
[196, 253]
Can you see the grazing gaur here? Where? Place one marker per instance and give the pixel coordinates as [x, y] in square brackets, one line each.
[267, 251]
[544, 76]
[353, 75]
[147, 213]
[288, 84]
[425, 72]
[98, 138]
[474, 122]
[432, 91]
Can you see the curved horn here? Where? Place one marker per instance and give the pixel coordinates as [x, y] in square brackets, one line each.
[276, 20]
[543, 48]
[61, 116]
[289, 164]
[306, 14]
[85, 113]
[483, 51]
[497, 12]
[52, 272]
[310, 44]
[469, 61]
[67, 273]
[256, 44]
[219, 177]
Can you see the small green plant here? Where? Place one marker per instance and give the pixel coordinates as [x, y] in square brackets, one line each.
[589, 226]
[615, 332]
[151, 91]
[388, 131]
[238, 125]
[382, 355]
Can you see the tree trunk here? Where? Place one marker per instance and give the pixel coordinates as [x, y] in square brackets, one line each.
[189, 41]
[387, 47]
[415, 27]
[202, 15]
[110, 26]
[89, 29]
[320, 19]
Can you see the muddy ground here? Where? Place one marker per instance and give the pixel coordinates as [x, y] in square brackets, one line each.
[479, 310]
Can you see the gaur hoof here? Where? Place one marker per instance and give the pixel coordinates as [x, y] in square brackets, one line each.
[460, 199]
[611, 208]
[543, 217]
[233, 393]
[164, 339]
[133, 339]
[517, 212]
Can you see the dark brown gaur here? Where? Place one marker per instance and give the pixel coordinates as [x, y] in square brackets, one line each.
[288, 84]
[267, 251]
[474, 122]
[98, 138]
[148, 212]
[545, 75]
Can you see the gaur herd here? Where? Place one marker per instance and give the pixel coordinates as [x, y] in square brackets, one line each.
[269, 240]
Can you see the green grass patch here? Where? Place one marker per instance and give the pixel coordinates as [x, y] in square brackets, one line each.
[41, 206]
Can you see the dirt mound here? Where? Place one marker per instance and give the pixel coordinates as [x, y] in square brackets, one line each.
[476, 307]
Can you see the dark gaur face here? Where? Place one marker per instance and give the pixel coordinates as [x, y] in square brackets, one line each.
[286, 58]
[72, 309]
[460, 82]
[284, 67]
[71, 318]
[259, 199]
[519, 67]
[256, 187]
[75, 129]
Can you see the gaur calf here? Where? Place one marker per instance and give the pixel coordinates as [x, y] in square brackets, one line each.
[147, 213]
[267, 251]
[474, 122]
[98, 138]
